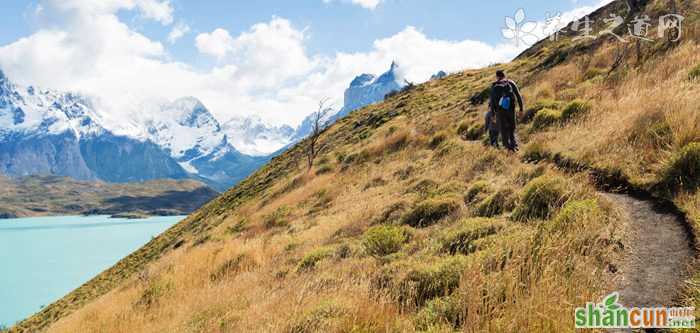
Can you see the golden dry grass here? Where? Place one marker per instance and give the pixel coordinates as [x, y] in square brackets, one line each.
[309, 272]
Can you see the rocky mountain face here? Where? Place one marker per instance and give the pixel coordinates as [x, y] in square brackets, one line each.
[364, 90]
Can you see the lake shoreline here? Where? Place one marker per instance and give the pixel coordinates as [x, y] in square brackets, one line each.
[53, 255]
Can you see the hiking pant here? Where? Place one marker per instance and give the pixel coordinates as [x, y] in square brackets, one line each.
[493, 137]
[506, 125]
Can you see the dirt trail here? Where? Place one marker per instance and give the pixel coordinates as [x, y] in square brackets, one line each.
[658, 254]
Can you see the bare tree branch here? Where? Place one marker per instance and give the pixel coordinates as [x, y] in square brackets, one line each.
[317, 125]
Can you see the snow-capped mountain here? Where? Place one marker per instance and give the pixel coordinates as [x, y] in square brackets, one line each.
[53, 133]
[364, 90]
[192, 136]
[252, 136]
[27, 110]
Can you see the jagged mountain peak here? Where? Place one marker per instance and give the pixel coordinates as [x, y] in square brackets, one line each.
[390, 75]
[190, 112]
[362, 80]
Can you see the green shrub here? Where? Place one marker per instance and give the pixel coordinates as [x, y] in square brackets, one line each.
[323, 169]
[540, 198]
[430, 212]
[475, 132]
[383, 240]
[438, 139]
[460, 240]
[477, 188]
[423, 284]
[545, 118]
[682, 172]
[496, 204]
[309, 261]
[575, 109]
[694, 73]
[537, 107]
[444, 312]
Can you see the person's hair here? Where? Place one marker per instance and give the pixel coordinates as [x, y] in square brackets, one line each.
[500, 74]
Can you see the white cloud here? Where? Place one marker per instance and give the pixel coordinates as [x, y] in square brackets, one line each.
[217, 43]
[177, 32]
[158, 10]
[265, 71]
[369, 4]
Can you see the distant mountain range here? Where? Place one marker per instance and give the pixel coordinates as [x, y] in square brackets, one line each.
[44, 132]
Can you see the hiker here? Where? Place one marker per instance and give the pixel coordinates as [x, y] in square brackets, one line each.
[504, 92]
[491, 127]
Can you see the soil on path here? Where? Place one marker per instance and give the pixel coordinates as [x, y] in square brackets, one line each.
[658, 254]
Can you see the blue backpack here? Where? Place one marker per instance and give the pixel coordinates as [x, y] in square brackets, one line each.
[505, 102]
[506, 91]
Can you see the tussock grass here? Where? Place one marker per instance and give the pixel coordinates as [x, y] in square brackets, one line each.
[538, 106]
[309, 261]
[422, 284]
[694, 73]
[683, 170]
[546, 118]
[500, 202]
[438, 139]
[575, 109]
[430, 212]
[442, 314]
[541, 198]
[475, 132]
[384, 240]
[461, 239]
[477, 189]
[231, 267]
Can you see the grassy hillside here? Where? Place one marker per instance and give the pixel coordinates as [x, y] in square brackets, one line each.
[409, 223]
[47, 195]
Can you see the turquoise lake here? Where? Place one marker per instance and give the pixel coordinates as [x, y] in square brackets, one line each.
[42, 259]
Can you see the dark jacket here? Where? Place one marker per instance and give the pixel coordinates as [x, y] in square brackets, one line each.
[502, 88]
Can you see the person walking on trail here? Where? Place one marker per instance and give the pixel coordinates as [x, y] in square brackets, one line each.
[504, 94]
[491, 126]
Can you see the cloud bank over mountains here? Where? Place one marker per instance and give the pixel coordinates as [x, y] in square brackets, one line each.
[267, 70]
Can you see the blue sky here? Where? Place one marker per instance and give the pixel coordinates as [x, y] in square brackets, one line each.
[266, 58]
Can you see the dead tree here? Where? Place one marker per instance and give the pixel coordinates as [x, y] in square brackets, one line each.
[318, 119]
